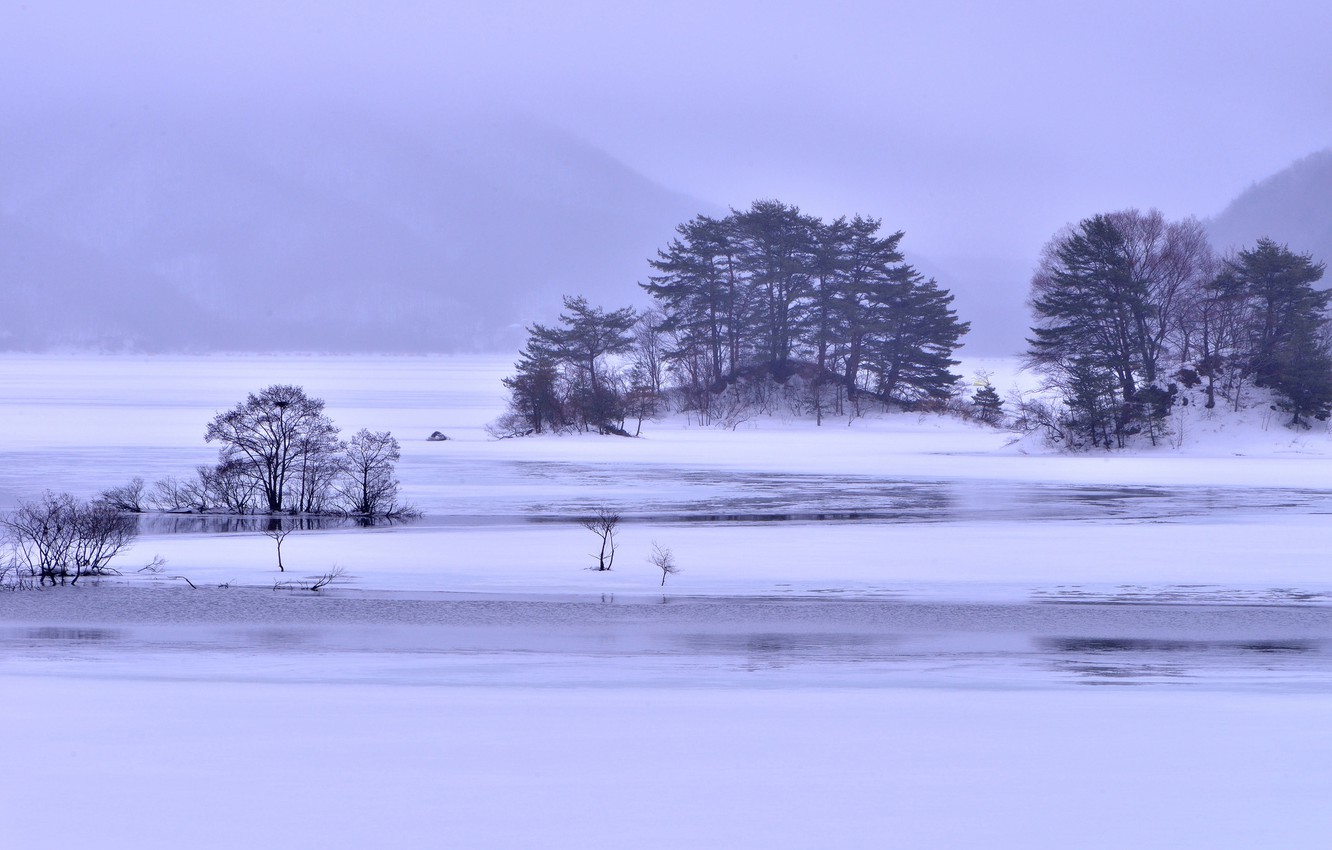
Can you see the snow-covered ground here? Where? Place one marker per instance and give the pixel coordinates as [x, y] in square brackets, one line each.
[991, 586]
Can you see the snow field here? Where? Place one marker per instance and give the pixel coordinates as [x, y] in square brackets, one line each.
[163, 765]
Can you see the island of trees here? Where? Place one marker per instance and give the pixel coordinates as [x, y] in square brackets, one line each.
[760, 310]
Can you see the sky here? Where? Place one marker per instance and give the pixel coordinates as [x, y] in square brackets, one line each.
[979, 128]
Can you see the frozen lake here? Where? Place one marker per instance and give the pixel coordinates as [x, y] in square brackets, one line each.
[902, 633]
[547, 492]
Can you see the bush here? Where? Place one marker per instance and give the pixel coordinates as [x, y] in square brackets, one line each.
[128, 498]
[58, 539]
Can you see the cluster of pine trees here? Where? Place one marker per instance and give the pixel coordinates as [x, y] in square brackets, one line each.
[1129, 306]
[761, 307]
[570, 376]
[772, 292]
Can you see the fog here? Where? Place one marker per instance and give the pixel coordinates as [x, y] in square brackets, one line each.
[419, 176]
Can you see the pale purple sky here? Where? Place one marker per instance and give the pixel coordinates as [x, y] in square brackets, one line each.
[978, 127]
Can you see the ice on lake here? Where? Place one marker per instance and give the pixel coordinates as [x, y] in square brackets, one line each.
[904, 632]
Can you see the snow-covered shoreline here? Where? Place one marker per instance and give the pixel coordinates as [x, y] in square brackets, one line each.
[925, 505]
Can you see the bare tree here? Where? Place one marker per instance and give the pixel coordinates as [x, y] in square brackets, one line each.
[233, 485]
[171, 494]
[267, 436]
[649, 350]
[664, 560]
[200, 493]
[1171, 261]
[367, 485]
[58, 538]
[603, 524]
[100, 533]
[315, 469]
[42, 535]
[278, 531]
[128, 497]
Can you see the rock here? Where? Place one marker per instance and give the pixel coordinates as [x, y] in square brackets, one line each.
[437, 437]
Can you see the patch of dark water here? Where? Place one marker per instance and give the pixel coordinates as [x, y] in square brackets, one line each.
[736, 641]
[659, 496]
[207, 523]
[688, 494]
[1194, 594]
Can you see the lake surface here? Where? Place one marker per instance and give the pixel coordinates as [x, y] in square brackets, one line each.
[453, 639]
[520, 493]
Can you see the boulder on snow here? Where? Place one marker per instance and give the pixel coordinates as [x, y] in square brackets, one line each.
[437, 437]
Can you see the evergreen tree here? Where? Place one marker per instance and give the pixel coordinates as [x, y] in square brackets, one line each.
[778, 253]
[563, 379]
[1093, 403]
[1085, 299]
[743, 303]
[1303, 374]
[830, 308]
[913, 332]
[987, 404]
[1285, 311]
[873, 267]
[1113, 297]
[701, 293]
[534, 395]
[1119, 293]
[770, 287]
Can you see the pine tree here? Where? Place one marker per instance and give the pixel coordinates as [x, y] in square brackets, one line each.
[914, 333]
[1085, 299]
[987, 404]
[700, 291]
[534, 393]
[777, 246]
[562, 379]
[1286, 315]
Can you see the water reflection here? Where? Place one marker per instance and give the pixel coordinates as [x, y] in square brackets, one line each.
[155, 523]
[481, 491]
[1113, 645]
[558, 492]
[1144, 661]
[77, 635]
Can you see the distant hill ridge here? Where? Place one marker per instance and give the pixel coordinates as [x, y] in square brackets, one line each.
[286, 229]
[1292, 207]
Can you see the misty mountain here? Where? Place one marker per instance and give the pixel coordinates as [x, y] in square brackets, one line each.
[303, 228]
[1292, 207]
